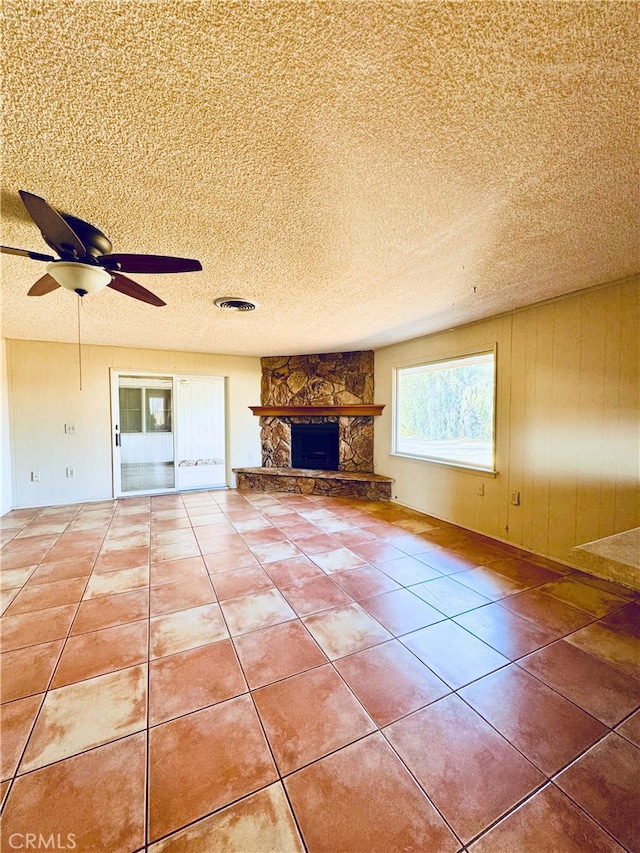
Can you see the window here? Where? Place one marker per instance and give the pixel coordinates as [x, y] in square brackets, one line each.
[145, 409]
[445, 411]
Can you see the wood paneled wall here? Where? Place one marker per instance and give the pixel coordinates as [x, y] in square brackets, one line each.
[567, 424]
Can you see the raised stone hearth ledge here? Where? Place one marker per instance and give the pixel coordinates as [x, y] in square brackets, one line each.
[308, 481]
[614, 558]
[352, 411]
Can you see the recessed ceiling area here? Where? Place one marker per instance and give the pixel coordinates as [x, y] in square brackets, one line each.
[364, 172]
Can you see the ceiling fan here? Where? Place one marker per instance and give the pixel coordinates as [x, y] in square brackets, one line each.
[86, 263]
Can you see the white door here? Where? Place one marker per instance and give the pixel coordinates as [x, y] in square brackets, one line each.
[200, 432]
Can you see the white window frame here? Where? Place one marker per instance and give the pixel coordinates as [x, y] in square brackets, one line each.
[434, 362]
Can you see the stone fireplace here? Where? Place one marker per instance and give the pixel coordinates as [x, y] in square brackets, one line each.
[334, 393]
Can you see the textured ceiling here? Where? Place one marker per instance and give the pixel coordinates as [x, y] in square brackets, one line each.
[366, 171]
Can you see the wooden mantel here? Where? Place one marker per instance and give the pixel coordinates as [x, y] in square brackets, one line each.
[352, 411]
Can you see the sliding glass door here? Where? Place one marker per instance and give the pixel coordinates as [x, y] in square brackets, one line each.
[168, 432]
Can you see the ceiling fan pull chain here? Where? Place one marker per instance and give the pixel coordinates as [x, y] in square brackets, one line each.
[79, 343]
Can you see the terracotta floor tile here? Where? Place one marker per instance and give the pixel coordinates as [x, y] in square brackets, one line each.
[89, 713]
[190, 680]
[401, 611]
[364, 582]
[625, 621]
[448, 596]
[24, 672]
[604, 782]
[186, 629]
[204, 761]
[491, 584]
[42, 529]
[630, 729]
[607, 586]
[337, 560]
[65, 570]
[169, 537]
[583, 596]
[71, 550]
[125, 539]
[595, 686]
[547, 612]
[455, 655]
[453, 753]
[110, 583]
[16, 719]
[389, 681]
[380, 807]
[66, 801]
[316, 543]
[260, 823]
[257, 610]
[26, 552]
[224, 561]
[128, 558]
[175, 551]
[239, 582]
[16, 578]
[273, 551]
[171, 571]
[619, 649]
[292, 570]
[44, 596]
[269, 535]
[512, 635]
[309, 715]
[549, 730]
[180, 595]
[409, 543]
[274, 653]
[345, 630]
[87, 655]
[448, 562]
[316, 594]
[408, 571]
[549, 821]
[377, 552]
[40, 626]
[108, 610]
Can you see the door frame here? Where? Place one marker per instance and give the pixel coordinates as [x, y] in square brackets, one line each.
[115, 374]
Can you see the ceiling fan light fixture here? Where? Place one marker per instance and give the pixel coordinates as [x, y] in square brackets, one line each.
[80, 278]
[235, 303]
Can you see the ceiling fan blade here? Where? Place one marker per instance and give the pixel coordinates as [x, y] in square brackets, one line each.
[148, 263]
[43, 286]
[130, 288]
[56, 232]
[25, 253]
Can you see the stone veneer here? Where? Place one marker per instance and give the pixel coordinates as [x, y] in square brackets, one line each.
[327, 379]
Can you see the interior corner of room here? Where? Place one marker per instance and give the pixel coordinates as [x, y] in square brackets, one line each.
[566, 422]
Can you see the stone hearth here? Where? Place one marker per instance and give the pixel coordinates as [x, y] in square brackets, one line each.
[316, 389]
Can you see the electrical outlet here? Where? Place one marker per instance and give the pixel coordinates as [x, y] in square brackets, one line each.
[480, 490]
[35, 476]
[71, 429]
[515, 498]
[71, 472]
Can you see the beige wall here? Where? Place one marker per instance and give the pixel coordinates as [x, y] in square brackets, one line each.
[5, 453]
[567, 424]
[44, 395]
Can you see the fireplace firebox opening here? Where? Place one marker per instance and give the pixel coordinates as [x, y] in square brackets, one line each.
[315, 446]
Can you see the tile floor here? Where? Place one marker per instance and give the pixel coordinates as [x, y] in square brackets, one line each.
[240, 671]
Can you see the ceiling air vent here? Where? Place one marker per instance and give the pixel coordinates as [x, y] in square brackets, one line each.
[234, 303]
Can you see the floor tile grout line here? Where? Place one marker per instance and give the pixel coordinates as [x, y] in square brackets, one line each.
[51, 677]
[514, 661]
